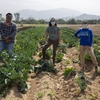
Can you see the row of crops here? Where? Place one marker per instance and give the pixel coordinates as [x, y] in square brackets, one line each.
[15, 70]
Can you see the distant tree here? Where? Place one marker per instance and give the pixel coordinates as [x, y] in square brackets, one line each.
[92, 21]
[79, 21]
[41, 21]
[61, 21]
[71, 21]
[98, 21]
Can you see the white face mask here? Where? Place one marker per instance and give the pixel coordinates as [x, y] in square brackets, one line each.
[84, 25]
[52, 23]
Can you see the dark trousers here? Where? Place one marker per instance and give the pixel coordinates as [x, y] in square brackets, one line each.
[50, 42]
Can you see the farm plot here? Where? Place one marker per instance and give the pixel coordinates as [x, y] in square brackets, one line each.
[43, 85]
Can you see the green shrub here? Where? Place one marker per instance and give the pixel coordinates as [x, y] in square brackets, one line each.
[68, 71]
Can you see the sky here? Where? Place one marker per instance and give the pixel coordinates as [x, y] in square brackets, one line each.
[83, 6]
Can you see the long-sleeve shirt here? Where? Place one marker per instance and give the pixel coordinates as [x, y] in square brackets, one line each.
[8, 31]
[85, 35]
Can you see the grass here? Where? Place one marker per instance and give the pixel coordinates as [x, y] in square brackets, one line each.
[52, 93]
[67, 62]
[46, 83]
[68, 71]
[40, 94]
[9, 99]
[93, 97]
[98, 71]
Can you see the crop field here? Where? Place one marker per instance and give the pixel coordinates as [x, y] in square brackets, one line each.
[95, 27]
[27, 77]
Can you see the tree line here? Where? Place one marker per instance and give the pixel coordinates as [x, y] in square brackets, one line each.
[59, 21]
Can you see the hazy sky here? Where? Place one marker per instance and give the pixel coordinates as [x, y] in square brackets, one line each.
[84, 6]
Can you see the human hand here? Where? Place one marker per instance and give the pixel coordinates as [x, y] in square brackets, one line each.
[6, 39]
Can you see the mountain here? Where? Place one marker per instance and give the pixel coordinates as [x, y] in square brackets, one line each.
[87, 17]
[47, 14]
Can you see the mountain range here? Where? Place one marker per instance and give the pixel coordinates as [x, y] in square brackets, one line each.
[46, 14]
[63, 13]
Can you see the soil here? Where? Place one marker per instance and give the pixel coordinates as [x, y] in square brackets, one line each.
[48, 86]
[94, 27]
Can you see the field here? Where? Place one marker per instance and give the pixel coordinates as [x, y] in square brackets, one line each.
[45, 85]
[95, 28]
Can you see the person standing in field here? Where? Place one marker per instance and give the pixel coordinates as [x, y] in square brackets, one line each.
[7, 33]
[52, 38]
[86, 39]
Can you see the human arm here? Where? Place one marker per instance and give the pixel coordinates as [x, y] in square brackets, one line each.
[46, 38]
[14, 30]
[90, 38]
[1, 32]
[46, 35]
[77, 34]
[58, 37]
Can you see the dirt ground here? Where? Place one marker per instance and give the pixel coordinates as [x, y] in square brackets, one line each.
[95, 28]
[47, 86]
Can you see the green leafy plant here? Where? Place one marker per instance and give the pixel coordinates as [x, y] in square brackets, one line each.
[80, 79]
[62, 48]
[68, 71]
[46, 66]
[98, 71]
[40, 94]
[67, 62]
[48, 54]
[42, 41]
[59, 56]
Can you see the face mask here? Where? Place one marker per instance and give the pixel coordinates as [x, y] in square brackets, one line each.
[84, 25]
[52, 23]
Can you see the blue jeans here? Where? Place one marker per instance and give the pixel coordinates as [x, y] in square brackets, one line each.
[7, 46]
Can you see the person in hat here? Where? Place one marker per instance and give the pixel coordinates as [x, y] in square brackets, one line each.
[7, 32]
[52, 38]
[86, 39]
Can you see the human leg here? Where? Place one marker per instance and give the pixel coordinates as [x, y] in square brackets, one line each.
[2, 47]
[54, 50]
[93, 58]
[10, 48]
[45, 48]
[82, 56]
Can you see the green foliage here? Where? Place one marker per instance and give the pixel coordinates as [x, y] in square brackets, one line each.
[47, 55]
[68, 71]
[62, 48]
[67, 62]
[15, 70]
[42, 41]
[40, 94]
[68, 37]
[80, 79]
[96, 39]
[98, 71]
[46, 66]
[59, 56]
